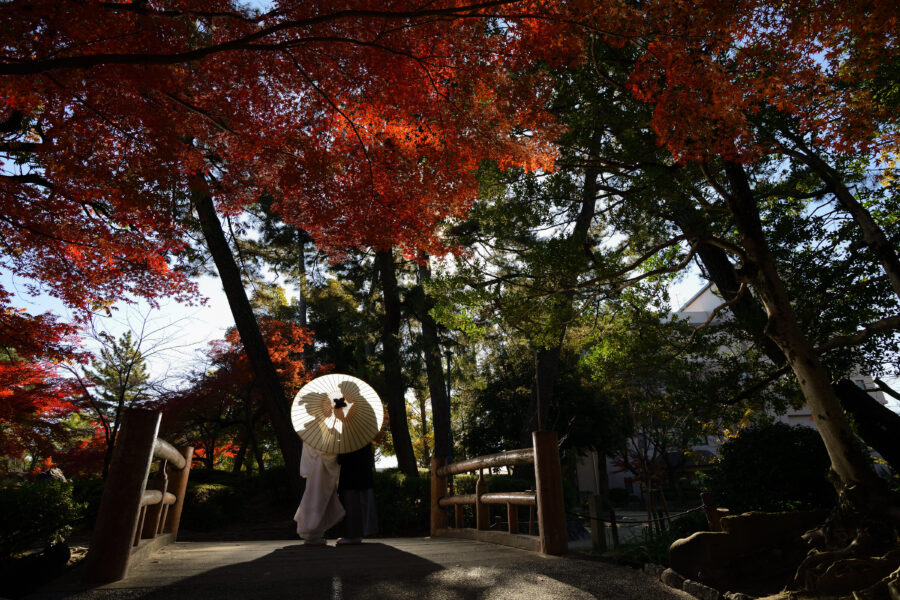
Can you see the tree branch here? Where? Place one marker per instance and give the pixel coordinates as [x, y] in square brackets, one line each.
[33, 67]
[886, 324]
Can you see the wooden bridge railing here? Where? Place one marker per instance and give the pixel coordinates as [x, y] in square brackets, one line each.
[137, 516]
[547, 498]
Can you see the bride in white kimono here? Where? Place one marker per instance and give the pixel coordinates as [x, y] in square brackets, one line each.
[320, 509]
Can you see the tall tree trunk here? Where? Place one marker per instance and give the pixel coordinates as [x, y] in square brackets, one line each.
[426, 451]
[783, 328]
[546, 360]
[546, 369]
[239, 457]
[248, 328]
[302, 284]
[877, 431]
[394, 390]
[434, 370]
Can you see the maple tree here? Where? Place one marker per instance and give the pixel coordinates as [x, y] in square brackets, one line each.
[34, 396]
[363, 122]
[222, 411]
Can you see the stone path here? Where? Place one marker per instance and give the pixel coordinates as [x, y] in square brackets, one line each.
[401, 568]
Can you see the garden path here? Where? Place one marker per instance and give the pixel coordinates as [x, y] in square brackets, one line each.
[401, 568]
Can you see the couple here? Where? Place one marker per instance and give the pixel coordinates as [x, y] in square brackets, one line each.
[338, 486]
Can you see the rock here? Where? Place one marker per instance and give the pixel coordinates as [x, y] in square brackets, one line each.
[54, 474]
[737, 596]
[704, 551]
[760, 530]
[672, 579]
[700, 591]
[752, 543]
[654, 570]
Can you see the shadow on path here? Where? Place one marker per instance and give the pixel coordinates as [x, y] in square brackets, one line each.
[371, 571]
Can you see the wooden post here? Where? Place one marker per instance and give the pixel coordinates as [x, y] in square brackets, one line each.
[662, 497]
[140, 526]
[482, 511]
[550, 504]
[178, 485]
[647, 491]
[117, 519]
[712, 511]
[512, 515]
[154, 511]
[613, 528]
[439, 518]
[598, 530]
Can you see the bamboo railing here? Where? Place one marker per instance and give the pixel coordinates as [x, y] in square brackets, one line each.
[547, 498]
[137, 516]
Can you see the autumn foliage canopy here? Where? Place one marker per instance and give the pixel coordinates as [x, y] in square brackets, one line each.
[363, 119]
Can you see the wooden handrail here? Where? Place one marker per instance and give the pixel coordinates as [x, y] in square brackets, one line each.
[517, 498]
[547, 498]
[525, 456]
[165, 450]
[137, 516]
[151, 497]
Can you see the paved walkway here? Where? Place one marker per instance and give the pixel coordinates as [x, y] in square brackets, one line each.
[404, 568]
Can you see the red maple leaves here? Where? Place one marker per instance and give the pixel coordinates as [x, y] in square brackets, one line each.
[34, 398]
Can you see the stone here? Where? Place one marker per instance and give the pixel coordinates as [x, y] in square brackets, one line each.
[672, 579]
[700, 591]
[737, 596]
[759, 530]
[705, 551]
[654, 570]
[54, 474]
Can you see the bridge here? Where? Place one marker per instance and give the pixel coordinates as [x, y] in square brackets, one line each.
[133, 553]
[399, 568]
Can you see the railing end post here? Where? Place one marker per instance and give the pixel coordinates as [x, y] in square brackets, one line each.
[439, 518]
[178, 485]
[550, 503]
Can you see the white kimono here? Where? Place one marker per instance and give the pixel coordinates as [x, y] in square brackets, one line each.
[320, 508]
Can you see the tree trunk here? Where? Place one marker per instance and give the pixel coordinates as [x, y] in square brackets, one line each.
[847, 462]
[749, 315]
[877, 431]
[437, 389]
[394, 390]
[302, 284]
[546, 361]
[248, 328]
[426, 451]
[877, 424]
[546, 368]
[239, 457]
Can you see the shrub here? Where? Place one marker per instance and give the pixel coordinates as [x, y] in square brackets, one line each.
[36, 514]
[87, 492]
[211, 505]
[403, 504]
[773, 467]
[688, 524]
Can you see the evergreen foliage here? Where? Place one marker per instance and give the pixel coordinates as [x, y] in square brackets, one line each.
[773, 467]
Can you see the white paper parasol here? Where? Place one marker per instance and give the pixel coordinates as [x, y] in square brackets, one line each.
[337, 413]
